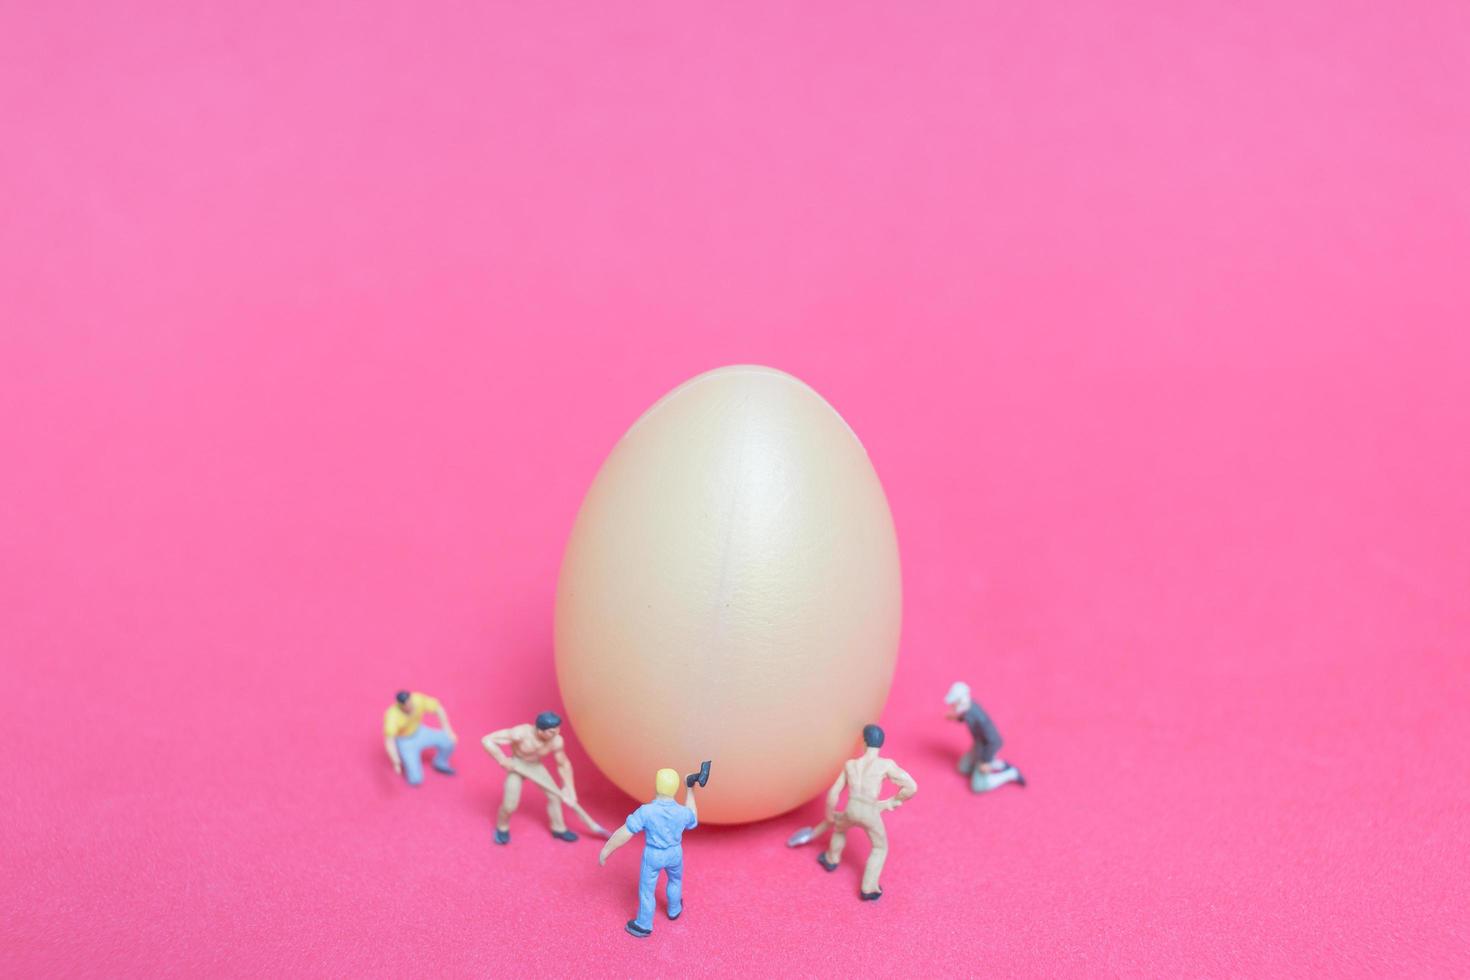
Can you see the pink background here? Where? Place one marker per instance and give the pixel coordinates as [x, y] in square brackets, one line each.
[319, 318]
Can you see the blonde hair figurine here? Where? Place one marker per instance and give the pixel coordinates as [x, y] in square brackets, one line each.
[662, 823]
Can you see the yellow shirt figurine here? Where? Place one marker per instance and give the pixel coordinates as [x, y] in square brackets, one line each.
[405, 736]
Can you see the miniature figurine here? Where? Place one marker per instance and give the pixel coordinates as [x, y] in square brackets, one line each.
[662, 822]
[863, 778]
[529, 744]
[986, 772]
[405, 736]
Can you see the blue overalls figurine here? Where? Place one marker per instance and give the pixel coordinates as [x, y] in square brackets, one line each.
[662, 823]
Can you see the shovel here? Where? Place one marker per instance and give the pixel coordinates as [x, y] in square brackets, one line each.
[595, 828]
[808, 834]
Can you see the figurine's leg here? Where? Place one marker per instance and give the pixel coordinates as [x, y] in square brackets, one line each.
[878, 834]
[985, 764]
[647, 882]
[554, 813]
[1000, 773]
[967, 762]
[674, 887]
[443, 749]
[509, 801]
[410, 750]
[837, 842]
[1005, 773]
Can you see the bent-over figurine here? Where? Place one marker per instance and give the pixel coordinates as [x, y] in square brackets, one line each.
[405, 736]
[980, 763]
[529, 744]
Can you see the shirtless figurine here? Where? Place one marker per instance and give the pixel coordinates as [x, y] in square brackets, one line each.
[529, 744]
[863, 778]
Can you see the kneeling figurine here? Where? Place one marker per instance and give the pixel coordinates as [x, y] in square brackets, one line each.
[980, 763]
[405, 736]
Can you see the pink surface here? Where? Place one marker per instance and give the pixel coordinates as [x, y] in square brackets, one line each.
[317, 322]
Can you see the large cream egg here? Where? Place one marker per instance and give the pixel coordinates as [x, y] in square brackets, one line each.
[730, 592]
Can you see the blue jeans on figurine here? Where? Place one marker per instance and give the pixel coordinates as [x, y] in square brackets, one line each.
[669, 860]
[411, 749]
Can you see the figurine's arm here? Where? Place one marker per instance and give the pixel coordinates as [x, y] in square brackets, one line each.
[689, 802]
[444, 720]
[620, 837]
[391, 744]
[564, 770]
[492, 744]
[906, 788]
[835, 792]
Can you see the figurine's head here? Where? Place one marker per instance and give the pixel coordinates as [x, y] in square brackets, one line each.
[402, 698]
[958, 699]
[872, 736]
[548, 725]
[666, 783]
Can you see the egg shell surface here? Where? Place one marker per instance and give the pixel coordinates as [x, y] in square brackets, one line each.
[730, 591]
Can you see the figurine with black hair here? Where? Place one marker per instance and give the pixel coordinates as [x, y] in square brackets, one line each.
[529, 744]
[405, 736]
[986, 771]
[863, 779]
[662, 823]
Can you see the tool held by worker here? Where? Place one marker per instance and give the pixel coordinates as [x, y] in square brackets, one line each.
[593, 827]
[808, 834]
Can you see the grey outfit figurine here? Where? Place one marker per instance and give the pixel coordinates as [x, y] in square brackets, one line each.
[986, 771]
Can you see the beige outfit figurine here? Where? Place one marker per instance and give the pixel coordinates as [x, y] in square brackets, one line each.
[863, 778]
[529, 744]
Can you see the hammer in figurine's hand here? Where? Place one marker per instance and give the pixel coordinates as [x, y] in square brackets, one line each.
[700, 777]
